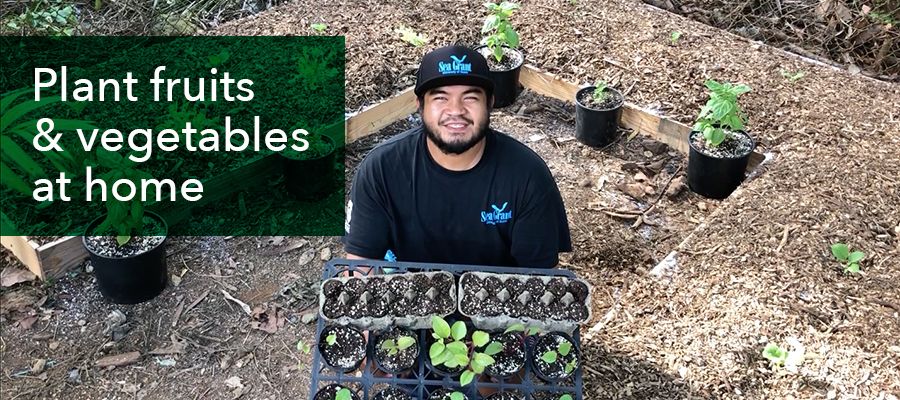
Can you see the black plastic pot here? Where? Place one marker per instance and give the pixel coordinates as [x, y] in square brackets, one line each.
[310, 179]
[391, 392]
[715, 177]
[535, 357]
[444, 393]
[378, 361]
[133, 279]
[330, 391]
[597, 128]
[506, 83]
[322, 343]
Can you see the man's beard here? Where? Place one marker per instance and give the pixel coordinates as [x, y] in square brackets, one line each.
[460, 146]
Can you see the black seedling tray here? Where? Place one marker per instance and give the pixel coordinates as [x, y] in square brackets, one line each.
[422, 380]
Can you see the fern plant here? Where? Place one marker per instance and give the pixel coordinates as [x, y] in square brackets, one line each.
[721, 112]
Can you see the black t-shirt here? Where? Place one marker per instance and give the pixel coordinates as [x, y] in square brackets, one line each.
[505, 211]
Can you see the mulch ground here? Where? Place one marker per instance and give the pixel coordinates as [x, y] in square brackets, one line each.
[748, 270]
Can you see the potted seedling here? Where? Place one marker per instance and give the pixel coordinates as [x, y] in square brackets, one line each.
[598, 109]
[127, 245]
[555, 356]
[396, 350]
[391, 393]
[511, 357]
[500, 48]
[447, 394]
[506, 396]
[342, 347]
[719, 146]
[452, 352]
[335, 392]
[307, 173]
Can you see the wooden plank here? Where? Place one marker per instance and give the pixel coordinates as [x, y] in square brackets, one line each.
[25, 250]
[381, 115]
[665, 130]
[61, 255]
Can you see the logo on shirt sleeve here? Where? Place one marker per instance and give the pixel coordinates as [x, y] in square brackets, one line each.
[499, 215]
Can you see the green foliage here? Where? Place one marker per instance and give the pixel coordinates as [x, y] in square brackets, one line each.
[331, 339]
[549, 356]
[123, 218]
[775, 354]
[674, 36]
[570, 366]
[451, 349]
[395, 346]
[850, 259]
[216, 60]
[600, 94]
[884, 18]
[44, 17]
[721, 111]
[565, 397]
[499, 30]
[562, 350]
[314, 68]
[457, 396]
[343, 394]
[13, 156]
[792, 76]
[303, 346]
[410, 36]
[319, 27]
[532, 330]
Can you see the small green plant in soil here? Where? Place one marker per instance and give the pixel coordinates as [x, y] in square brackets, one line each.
[531, 330]
[499, 30]
[775, 354]
[216, 60]
[318, 147]
[721, 112]
[565, 397]
[452, 350]
[674, 36]
[410, 36]
[331, 339]
[313, 70]
[850, 259]
[43, 17]
[319, 27]
[395, 346]
[792, 77]
[124, 219]
[600, 94]
[343, 394]
[457, 396]
[563, 349]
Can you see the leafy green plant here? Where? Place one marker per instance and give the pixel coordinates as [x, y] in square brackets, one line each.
[850, 259]
[532, 330]
[500, 31]
[343, 394]
[721, 112]
[565, 397]
[331, 339]
[313, 69]
[44, 17]
[883, 18]
[319, 27]
[15, 155]
[775, 354]
[216, 60]
[550, 356]
[125, 219]
[303, 347]
[395, 346]
[793, 76]
[457, 396]
[452, 350]
[674, 36]
[600, 94]
[410, 36]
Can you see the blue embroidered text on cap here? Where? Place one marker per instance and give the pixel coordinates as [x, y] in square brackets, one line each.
[455, 67]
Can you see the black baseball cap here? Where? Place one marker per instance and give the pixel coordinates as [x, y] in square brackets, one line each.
[453, 65]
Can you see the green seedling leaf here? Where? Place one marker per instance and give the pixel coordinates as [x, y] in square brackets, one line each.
[564, 348]
[549, 357]
[458, 330]
[493, 348]
[466, 378]
[674, 36]
[412, 37]
[515, 328]
[405, 342]
[533, 330]
[570, 366]
[436, 349]
[388, 344]
[301, 346]
[457, 348]
[482, 359]
[331, 339]
[457, 396]
[122, 239]
[565, 397]
[480, 338]
[343, 394]
[856, 257]
[319, 28]
[775, 354]
[440, 327]
[852, 268]
[442, 358]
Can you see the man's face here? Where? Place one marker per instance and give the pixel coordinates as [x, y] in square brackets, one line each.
[456, 117]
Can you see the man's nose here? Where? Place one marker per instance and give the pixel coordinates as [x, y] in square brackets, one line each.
[456, 107]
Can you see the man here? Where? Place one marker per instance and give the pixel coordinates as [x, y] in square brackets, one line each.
[452, 190]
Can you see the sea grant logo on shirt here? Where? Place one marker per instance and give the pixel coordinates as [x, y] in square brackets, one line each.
[499, 215]
[457, 66]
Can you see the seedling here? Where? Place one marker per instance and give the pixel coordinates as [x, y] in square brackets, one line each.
[319, 27]
[850, 260]
[792, 76]
[395, 346]
[410, 36]
[673, 37]
[457, 396]
[532, 330]
[343, 394]
[565, 397]
[303, 347]
[775, 354]
[331, 339]
[124, 218]
[500, 31]
[452, 351]
[721, 112]
[550, 356]
[216, 60]
[600, 94]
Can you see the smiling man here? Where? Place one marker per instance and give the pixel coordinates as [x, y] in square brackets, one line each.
[453, 190]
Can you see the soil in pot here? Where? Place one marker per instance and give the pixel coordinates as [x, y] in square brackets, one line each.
[566, 357]
[342, 347]
[307, 174]
[330, 392]
[135, 271]
[505, 74]
[549, 395]
[597, 120]
[391, 393]
[511, 359]
[715, 172]
[393, 358]
[506, 396]
[444, 394]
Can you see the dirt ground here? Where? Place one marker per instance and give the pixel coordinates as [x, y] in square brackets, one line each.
[748, 270]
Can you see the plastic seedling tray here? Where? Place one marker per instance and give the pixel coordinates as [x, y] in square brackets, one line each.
[422, 380]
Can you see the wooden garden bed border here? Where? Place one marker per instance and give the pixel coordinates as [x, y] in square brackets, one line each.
[53, 259]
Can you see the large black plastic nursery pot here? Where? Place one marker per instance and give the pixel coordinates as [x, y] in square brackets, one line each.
[716, 177]
[307, 178]
[130, 279]
[597, 127]
[505, 76]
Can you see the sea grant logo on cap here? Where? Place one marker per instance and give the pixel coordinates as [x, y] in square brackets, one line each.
[453, 65]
